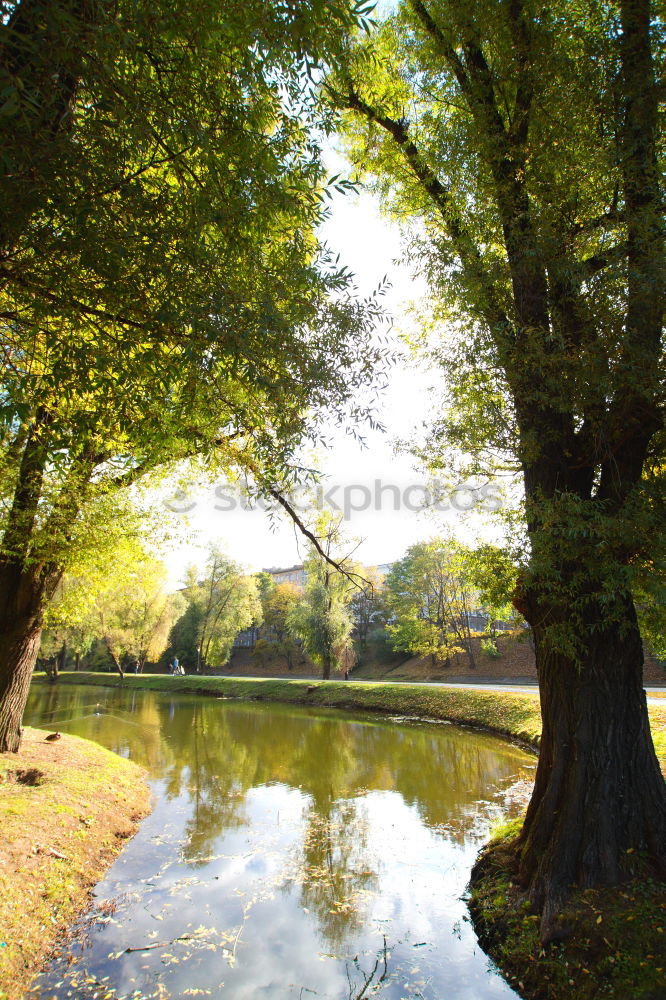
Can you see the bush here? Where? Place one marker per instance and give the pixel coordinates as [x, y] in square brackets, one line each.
[489, 647]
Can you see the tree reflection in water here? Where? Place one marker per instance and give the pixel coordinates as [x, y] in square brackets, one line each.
[284, 844]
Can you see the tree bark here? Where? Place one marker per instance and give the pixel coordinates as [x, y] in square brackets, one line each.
[25, 590]
[599, 792]
[21, 605]
[18, 651]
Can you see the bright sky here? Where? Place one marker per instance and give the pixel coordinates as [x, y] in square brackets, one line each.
[370, 246]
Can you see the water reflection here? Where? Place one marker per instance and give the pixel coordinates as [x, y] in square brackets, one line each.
[284, 848]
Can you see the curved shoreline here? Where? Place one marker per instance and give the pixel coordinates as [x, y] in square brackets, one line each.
[66, 809]
[520, 717]
[512, 715]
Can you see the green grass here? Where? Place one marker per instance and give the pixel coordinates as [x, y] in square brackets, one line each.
[520, 717]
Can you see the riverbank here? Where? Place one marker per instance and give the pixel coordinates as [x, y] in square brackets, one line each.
[519, 719]
[510, 714]
[66, 808]
[614, 939]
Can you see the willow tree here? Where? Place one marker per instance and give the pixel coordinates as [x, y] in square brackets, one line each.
[524, 139]
[323, 619]
[162, 290]
[227, 601]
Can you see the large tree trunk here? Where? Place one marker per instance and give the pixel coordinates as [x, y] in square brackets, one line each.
[21, 605]
[18, 653]
[599, 792]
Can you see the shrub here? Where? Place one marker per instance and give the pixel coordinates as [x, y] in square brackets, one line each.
[489, 647]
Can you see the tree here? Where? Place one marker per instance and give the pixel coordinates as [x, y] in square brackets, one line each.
[367, 607]
[220, 606]
[323, 619]
[133, 613]
[184, 637]
[53, 650]
[277, 608]
[430, 596]
[493, 572]
[162, 290]
[120, 601]
[526, 141]
[67, 622]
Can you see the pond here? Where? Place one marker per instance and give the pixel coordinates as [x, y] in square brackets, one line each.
[290, 853]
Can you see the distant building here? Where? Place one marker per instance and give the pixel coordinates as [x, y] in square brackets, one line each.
[478, 621]
[247, 639]
[383, 568]
[293, 574]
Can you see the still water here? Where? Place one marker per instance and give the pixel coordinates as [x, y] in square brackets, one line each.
[290, 853]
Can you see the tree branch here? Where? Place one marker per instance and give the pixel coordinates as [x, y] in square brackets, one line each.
[520, 30]
[439, 194]
[433, 29]
[613, 255]
[284, 503]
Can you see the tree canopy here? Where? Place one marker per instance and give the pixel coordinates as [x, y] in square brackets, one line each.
[166, 294]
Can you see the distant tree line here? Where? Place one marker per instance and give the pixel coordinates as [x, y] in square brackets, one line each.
[441, 600]
[116, 614]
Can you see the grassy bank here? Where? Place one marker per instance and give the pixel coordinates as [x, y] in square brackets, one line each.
[65, 809]
[615, 939]
[519, 718]
[510, 714]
